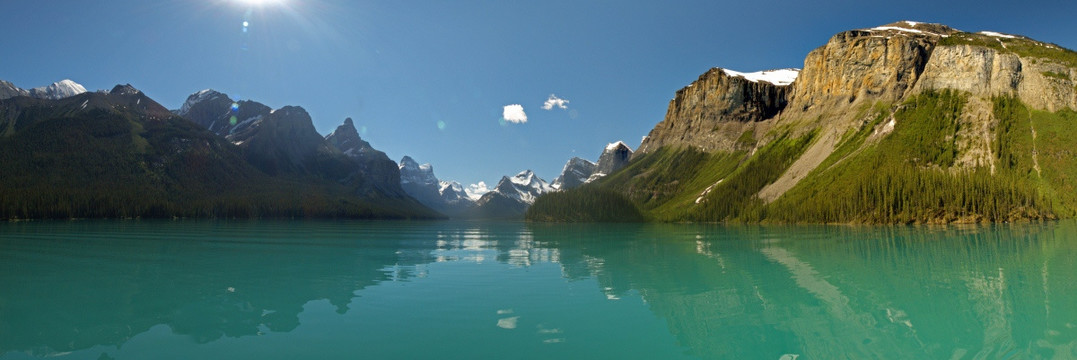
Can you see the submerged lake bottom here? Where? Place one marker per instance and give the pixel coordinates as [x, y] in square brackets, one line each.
[408, 290]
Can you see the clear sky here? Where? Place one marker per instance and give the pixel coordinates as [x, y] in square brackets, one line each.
[431, 79]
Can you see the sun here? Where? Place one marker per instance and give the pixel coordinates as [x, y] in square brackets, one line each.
[260, 2]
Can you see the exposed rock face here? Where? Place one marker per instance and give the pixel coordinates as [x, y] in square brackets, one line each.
[575, 173]
[857, 69]
[375, 169]
[613, 158]
[9, 90]
[447, 197]
[284, 141]
[419, 182]
[988, 72]
[865, 64]
[713, 110]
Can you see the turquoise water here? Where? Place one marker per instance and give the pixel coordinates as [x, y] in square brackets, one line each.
[407, 290]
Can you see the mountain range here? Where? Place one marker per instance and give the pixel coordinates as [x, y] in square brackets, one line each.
[69, 153]
[513, 195]
[906, 122]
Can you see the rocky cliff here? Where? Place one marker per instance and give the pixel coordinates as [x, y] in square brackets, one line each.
[907, 105]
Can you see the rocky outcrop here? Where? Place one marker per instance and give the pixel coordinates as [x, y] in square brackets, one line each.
[575, 173]
[987, 71]
[613, 158]
[9, 90]
[375, 170]
[860, 76]
[447, 197]
[714, 110]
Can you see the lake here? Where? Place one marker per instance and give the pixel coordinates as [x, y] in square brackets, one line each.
[482, 290]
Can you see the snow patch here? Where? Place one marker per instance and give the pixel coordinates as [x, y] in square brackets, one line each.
[614, 145]
[202, 95]
[995, 34]
[84, 103]
[780, 77]
[884, 28]
[707, 191]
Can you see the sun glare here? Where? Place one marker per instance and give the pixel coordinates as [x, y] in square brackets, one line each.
[259, 2]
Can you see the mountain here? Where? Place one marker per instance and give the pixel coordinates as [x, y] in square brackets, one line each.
[121, 154]
[55, 91]
[9, 90]
[276, 141]
[512, 196]
[575, 173]
[446, 197]
[58, 90]
[907, 122]
[376, 173]
[613, 158]
[284, 142]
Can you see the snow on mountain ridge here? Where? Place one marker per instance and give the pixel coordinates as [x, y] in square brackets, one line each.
[780, 77]
[58, 90]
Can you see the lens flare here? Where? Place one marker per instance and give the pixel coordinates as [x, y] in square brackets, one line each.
[232, 120]
[441, 125]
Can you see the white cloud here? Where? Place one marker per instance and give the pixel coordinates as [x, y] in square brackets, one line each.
[514, 114]
[554, 101]
[475, 191]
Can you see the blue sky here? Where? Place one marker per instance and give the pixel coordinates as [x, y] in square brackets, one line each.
[402, 68]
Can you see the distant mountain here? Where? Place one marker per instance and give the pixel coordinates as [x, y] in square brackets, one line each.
[512, 196]
[376, 172]
[58, 90]
[575, 173]
[419, 182]
[121, 154]
[578, 171]
[9, 90]
[613, 158]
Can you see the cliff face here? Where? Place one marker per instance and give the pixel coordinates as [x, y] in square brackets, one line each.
[714, 110]
[864, 64]
[1043, 83]
[979, 115]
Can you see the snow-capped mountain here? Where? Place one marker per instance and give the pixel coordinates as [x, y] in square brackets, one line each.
[525, 186]
[454, 193]
[613, 158]
[413, 173]
[512, 196]
[448, 197]
[58, 90]
[575, 173]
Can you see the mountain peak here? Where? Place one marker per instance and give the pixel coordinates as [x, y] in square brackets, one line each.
[58, 90]
[125, 89]
[199, 97]
[408, 162]
[348, 122]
